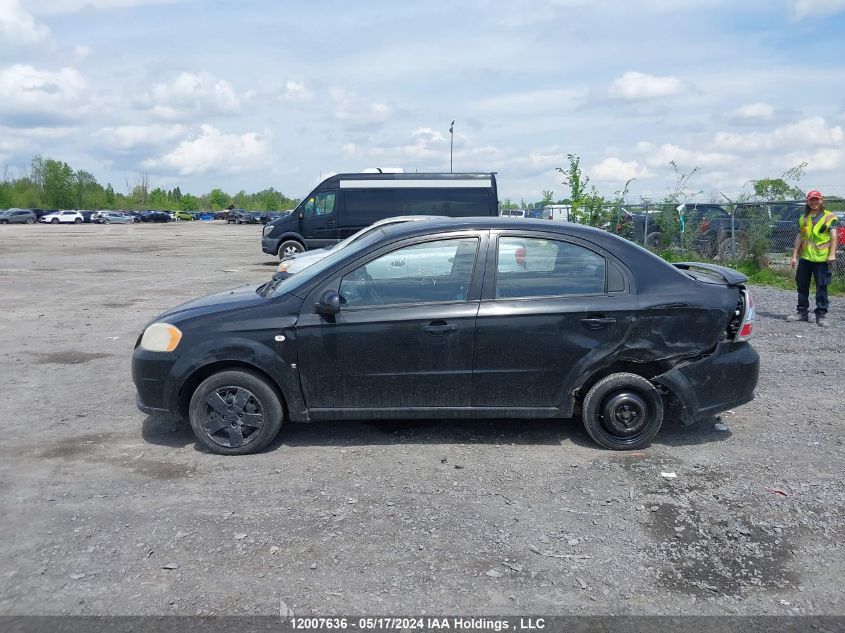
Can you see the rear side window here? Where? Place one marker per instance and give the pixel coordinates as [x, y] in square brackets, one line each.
[369, 204]
[531, 267]
[449, 202]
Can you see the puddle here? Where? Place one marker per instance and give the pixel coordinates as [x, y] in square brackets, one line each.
[69, 357]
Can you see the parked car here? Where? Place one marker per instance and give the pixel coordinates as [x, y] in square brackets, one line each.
[115, 217]
[134, 215]
[204, 215]
[187, 216]
[241, 216]
[18, 216]
[86, 216]
[296, 263]
[458, 318]
[346, 203]
[269, 216]
[39, 213]
[155, 216]
[63, 217]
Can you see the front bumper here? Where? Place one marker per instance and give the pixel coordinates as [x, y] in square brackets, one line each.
[723, 380]
[270, 245]
[150, 373]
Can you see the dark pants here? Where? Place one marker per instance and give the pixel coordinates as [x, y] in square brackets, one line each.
[819, 270]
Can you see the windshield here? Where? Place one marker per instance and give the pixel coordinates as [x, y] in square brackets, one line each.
[279, 287]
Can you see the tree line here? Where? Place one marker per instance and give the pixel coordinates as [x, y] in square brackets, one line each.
[53, 184]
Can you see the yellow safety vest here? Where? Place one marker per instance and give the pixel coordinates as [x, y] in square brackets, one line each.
[816, 237]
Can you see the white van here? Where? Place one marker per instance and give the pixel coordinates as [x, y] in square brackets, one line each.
[557, 212]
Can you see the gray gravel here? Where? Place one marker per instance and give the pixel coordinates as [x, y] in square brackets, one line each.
[107, 511]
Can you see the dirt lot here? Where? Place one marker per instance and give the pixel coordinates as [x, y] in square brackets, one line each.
[106, 511]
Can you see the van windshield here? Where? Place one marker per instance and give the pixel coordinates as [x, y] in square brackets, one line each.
[277, 288]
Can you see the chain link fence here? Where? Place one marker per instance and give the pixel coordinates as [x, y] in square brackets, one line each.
[758, 232]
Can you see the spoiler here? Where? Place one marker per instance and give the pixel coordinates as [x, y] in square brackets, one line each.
[729, 275]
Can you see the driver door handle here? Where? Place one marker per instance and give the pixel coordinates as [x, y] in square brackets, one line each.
[439, 328]
[596, 323]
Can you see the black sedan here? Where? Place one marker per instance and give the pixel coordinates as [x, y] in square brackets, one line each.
[155, 216]
[461, 318]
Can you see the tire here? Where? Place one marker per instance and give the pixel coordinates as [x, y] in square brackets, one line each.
[54, 221]
[6, 221]
[289, 248]
[727, 253]
[622, 394]
[260, 402]
[652, 240]
[77, 221]
[30, 221]
[136, 220]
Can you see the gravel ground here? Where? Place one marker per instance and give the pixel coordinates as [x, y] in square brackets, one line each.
[107, 511]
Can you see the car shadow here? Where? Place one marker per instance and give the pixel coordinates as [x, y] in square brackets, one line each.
[548, 432]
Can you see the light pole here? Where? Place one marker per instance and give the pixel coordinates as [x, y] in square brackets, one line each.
[451, 143]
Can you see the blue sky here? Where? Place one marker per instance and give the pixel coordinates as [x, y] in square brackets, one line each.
[248, 95]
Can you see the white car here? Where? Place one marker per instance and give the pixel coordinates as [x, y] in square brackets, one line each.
[63, 217]
[292, 265]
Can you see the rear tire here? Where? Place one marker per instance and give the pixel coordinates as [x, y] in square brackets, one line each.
[30, 221]
[54, 221]
[77, 221]
[235, 412]
[289, 248]
[622, 412]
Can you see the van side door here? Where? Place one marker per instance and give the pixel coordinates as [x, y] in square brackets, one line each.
[319, 219]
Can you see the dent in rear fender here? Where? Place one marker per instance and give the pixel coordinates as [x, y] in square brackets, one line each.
[275, 363]
[724, 379]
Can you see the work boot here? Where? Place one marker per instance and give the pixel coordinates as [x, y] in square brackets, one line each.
[821, 321]
[798, 316]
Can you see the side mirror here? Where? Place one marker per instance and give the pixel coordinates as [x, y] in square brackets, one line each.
[329, 303]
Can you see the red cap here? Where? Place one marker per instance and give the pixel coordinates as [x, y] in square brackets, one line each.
[815, 193]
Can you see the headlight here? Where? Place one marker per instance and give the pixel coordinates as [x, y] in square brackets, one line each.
[161, 337]
[267, 228]
[283, 266]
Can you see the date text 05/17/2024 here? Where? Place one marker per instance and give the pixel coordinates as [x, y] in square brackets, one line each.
[455, 623]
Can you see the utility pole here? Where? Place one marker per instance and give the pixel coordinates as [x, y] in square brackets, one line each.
[451, 143]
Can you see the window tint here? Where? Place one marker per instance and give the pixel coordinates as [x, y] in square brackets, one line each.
[368, 204]
[450, 202]
[530, 267]
[423, 273]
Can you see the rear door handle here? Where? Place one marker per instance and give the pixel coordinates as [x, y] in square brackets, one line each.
[439, 328]
[596, 323]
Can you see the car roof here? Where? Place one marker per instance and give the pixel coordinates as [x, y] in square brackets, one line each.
[411, 229]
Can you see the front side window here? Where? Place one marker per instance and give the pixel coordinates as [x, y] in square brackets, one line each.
[423, 273]
[322, 203]
[531, 267]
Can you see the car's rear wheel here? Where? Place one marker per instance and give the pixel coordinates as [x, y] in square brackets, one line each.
[54, 221]
[30, 221]
[290, 248]
[235, 412]
[623, 412]
[77, 220]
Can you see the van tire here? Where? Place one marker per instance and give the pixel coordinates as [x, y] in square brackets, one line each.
[289, 248]
[608, 405]
[653, 240]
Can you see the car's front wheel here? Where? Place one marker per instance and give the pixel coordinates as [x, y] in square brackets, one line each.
[77, 220]
[30, 221]
[54, 221]
[289, 249]
[235, 412]
[622, 412]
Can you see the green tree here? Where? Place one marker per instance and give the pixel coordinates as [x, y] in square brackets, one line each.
[218, 199]
[110, 197]
[59, 185]
[84, 183]
[189, 202]
[588, 207]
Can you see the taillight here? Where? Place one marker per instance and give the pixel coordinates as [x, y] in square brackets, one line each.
[749, 312]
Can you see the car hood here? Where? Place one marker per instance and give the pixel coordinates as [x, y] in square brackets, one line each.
[223, 301]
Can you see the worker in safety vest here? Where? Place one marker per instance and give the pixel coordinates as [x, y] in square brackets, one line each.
[816, 246]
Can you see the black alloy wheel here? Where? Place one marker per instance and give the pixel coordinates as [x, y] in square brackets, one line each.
[235, 412]
[623, 411]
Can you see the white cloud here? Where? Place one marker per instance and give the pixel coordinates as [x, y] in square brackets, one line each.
[813, 132]
[133, 137]
[36, 97]
[29, 139]
[214, 152]
[47, 7]
[190, 95]
[615, 170]
[635, 86]
[552, 100]
[295, 92]
[350, 107]
[810, 8]
[81, 52]
[759, 111]
[19, 27]
[660, 157]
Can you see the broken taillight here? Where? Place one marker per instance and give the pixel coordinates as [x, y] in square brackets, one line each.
[746, 325]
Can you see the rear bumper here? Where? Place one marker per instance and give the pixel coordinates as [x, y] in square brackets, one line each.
[725, 379]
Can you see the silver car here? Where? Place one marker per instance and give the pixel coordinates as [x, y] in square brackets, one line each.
[18, 216]
[112, 217]
[292, 265]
